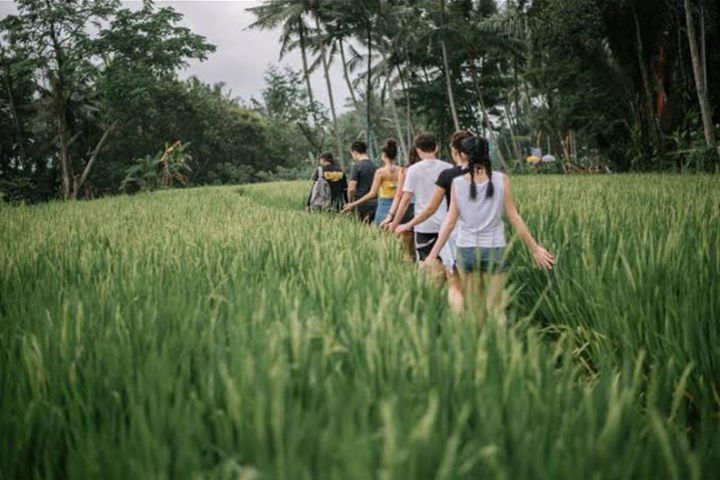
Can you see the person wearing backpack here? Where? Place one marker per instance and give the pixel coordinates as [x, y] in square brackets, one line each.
[330, 186]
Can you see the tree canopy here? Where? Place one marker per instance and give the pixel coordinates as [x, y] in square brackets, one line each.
[87, 88]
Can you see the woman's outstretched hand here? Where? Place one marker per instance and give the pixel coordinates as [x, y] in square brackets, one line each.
[543, 258]
[347, 208]
[386, 223]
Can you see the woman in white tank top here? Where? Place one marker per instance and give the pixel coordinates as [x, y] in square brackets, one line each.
[478, 200]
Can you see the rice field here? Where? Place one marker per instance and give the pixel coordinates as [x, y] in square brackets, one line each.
[225, 333]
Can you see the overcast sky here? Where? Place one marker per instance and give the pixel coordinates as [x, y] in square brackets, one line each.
[242, 55]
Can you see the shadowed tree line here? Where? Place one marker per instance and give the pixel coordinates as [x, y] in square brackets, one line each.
[89, 91]
[628, 83]
[90, 97]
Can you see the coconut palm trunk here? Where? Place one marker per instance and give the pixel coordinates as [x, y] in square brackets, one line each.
[326, 72]
[368, 98]
[698, 71]
[647, 86]
[306, 69]
[486, 116]
[393, 109]
[448, 82]
[448, 76]
[408, 105]
[341, 46]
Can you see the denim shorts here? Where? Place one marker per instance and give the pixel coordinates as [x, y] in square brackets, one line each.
[481, 259]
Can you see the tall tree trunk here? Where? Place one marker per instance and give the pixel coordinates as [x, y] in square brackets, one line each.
[486, 116]
[326, 71]
[448, 82]
[398, 125]
[647, 86]
[368, 100]
[306, 69]
[516, 83]
[347, 76]
[698, 70]
[393, 109]
[78, 184]
[57, 85]
[17, 125]
[516, 151]
[446, 66]
[408, 104]
[684, 77]
[513, 136]
[703, 42]
[66, 167]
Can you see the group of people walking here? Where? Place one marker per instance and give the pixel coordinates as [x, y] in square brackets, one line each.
[450, 218]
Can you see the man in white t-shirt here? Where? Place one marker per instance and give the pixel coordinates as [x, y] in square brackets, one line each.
[420, 181]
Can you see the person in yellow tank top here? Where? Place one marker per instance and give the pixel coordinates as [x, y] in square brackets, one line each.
[384, 183]
[387, 188]
[407, 238]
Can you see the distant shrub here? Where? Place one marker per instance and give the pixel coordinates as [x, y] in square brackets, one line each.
[703, 159]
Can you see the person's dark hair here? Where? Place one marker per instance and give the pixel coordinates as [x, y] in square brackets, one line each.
[359, 147]
[413, 158]
[390, 149]
[457, 137]
[426, 142]
[328, 157]
[478, 151]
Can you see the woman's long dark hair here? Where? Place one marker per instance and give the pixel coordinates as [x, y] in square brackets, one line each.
[413, 157]
[390, 149]
[478, 151]
[457, 138]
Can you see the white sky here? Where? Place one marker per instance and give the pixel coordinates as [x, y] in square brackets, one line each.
[242, 56]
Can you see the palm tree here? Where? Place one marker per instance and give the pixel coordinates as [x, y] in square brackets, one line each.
[291, 15]
[446, 65]
[322, 44]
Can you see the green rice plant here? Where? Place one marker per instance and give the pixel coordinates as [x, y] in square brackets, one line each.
[225, 333]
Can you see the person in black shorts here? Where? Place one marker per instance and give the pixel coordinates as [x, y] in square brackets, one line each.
[362, 173]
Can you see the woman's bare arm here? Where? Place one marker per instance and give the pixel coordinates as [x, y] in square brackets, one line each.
[542, 257]
[445, 231]
[402, 208]
[437, 197]
[377, 179]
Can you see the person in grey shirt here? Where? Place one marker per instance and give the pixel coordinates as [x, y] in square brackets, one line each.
[478, 200]
[362, 173]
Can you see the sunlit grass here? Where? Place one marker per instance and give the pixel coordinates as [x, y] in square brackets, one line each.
[223, 332]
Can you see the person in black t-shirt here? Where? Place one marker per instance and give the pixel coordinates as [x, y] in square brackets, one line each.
[362, 174]
[335, 178]
[442, 191]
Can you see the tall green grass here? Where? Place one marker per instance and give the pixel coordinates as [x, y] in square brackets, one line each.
[225, 333]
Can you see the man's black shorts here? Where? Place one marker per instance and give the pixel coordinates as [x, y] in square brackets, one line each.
[424, 243]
